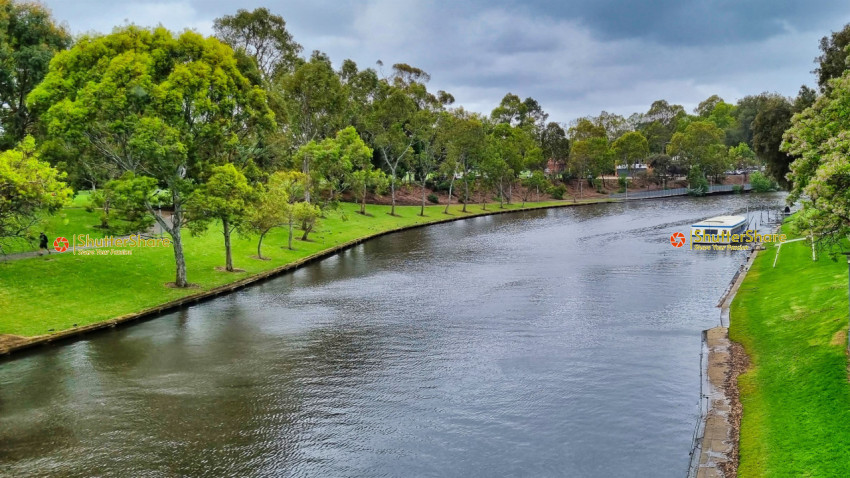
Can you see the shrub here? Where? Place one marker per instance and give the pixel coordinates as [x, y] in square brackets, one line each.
[697, 184]
[597, 184]
[557, 192]
[433, 198]
[737, 189]
[761, 183]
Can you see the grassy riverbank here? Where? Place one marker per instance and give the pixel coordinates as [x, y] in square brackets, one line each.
[792, 320]
[48, 294]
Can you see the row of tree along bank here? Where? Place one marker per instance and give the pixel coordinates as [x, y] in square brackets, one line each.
[242, 129]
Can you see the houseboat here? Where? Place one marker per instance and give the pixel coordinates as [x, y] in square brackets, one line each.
[718, 230]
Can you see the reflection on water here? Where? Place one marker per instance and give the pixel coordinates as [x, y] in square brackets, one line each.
[546, 343]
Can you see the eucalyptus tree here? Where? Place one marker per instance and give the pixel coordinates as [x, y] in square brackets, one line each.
[701, 144]
[29, 38]
[464, 140]
[165, 108]
[630, 149]
[262, 36]
[225, 197]
[391, 124]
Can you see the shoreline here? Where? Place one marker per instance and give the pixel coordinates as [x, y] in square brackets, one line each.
[12, 345]
[714, 452]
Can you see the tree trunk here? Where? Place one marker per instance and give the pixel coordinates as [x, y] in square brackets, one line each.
[260, 244]
[179, 258]
[305, 168]
[306, 231]
[392, 188]
[510, 191]
[449, 202]
[501, 195]
[422, 210]
[465, 192]
[228, 256]
[363, 203]
[290, 231]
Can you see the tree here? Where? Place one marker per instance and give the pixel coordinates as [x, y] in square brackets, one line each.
[365, 180]
[536, 181]
[313, 100]
[614, 124]
[431, 152]
[306, 214]
[662, 166]
[28, 188]
[161, 107]
[28, 40]
[697, 184]
[630, 149]
[275, 206]
[387, 124]
[833, 59]
[701, 144]
[588, 158]
[659, 123]
[771, 122]
[463, 138]
[226, 197]
[555, 145]
[820, 176]
[262, 36]
[742, 157]
[516, 112]
[333, 160]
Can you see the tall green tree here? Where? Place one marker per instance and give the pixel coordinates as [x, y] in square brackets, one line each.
[262, 36]
[29, 188]
[832, 62]
[464, 139]
[29, 38]
[769, 125]
[820, 176]
[701, 144]
[225, 197]
[630, 149]
[163, 107]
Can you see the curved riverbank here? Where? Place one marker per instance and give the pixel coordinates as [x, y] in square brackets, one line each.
[10, 344]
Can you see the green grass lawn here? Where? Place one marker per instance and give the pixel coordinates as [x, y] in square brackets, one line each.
[792, 320]
[52, 293]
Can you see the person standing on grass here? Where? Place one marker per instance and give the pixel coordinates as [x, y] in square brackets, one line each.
[42, 243]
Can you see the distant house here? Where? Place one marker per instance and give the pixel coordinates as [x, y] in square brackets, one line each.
[554, 166]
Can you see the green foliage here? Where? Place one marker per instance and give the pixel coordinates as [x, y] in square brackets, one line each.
[821, 174]
[28, 188]
[832, 63]
[433, 198]
[697, 183]
[263, 37]
[557, 192]
[630, 148]
[761, 183]
[146, 101]
[769, 125]
[332, 161]
[29, 38]
[306, 214]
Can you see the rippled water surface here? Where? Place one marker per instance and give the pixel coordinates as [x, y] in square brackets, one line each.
[550, 343]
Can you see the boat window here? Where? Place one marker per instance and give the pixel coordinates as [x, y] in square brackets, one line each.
[711, 231]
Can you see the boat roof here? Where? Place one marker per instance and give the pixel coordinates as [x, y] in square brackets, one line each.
[721, 221]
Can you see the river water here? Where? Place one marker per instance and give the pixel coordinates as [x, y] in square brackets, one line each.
[548, 343]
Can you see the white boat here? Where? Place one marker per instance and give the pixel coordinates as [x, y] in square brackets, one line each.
[718, 230]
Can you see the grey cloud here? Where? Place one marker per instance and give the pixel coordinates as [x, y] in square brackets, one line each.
[576, 58]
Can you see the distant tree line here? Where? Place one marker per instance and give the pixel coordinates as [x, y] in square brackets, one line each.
[245, 131]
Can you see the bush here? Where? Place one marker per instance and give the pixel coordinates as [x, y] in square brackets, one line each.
[433, 198]
[557, 192]
[737, 189]
[761, 183]
[597, 184]
[697, 184]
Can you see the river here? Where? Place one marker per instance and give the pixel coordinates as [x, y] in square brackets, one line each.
[562, 342]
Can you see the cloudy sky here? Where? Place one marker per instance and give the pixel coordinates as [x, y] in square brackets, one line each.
[575, 57]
